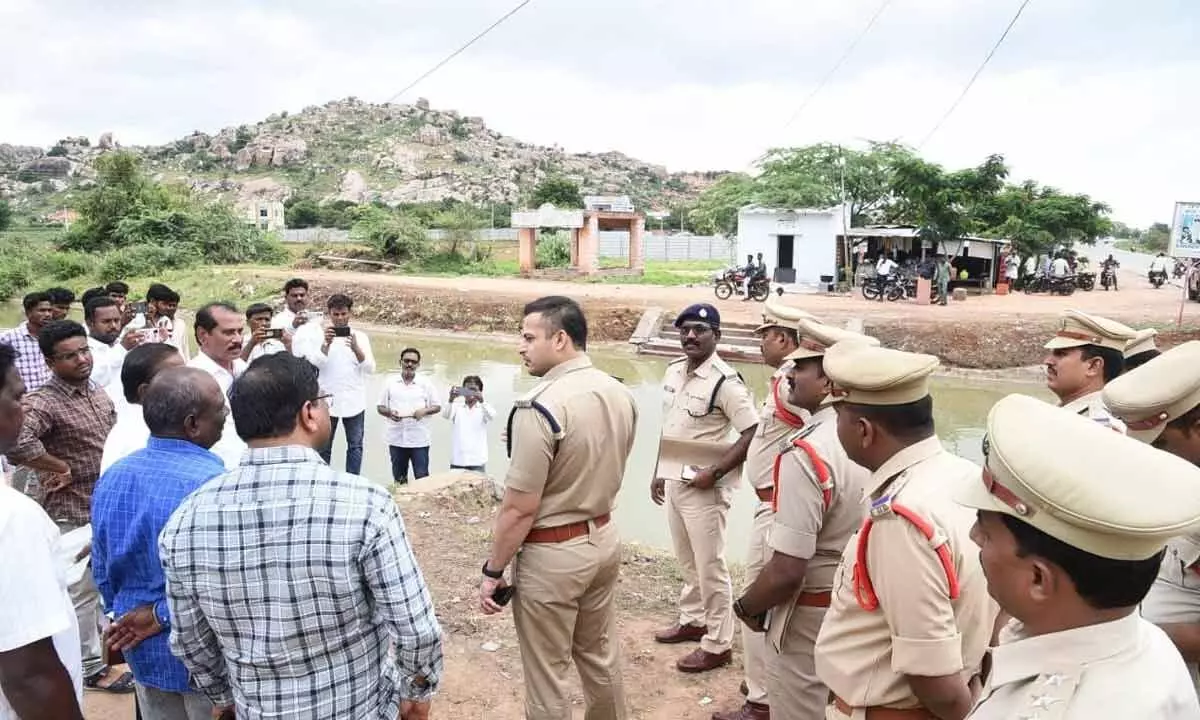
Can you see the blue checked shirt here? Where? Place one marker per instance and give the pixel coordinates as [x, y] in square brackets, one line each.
[132, 503]
[294, 593]
[31, 363]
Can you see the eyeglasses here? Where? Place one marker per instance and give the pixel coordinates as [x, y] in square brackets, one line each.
[81, 352]
[697, 330]
[321, 398]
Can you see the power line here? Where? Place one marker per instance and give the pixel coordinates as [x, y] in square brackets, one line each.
[837, 66]
[460, 50]
[978, 72]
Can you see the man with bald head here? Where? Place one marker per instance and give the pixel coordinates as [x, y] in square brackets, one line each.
[184, 410]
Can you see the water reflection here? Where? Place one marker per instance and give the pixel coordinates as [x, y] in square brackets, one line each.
[960, 411]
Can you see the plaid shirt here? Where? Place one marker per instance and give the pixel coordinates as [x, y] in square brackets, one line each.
[70, 423]
[31, 363]
[290, 587]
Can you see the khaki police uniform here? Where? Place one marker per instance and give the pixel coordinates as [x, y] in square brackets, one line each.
[699, 419]
[913, 600]
[1142, 341]
[818, 507]
[1146, 399]
[566, 571]
[777, 418]
[1077, 329]
[1042, 468]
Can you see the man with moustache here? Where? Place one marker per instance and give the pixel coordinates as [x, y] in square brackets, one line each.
[776, 420]
[219, 330]
[66, 423]
[706, 402]
[39, 637]
[817, 503]
[102, 315]
[1159, 402]
[1087, 352]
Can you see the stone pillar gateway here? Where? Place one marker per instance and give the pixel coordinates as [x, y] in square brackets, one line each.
[584, 228]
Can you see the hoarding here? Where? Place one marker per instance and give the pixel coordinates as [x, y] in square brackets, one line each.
[1185, 231]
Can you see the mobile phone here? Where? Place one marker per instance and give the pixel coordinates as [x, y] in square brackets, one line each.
[276, 333]
[687, 473]
[341, 331]
[466, 392]
[502, 595]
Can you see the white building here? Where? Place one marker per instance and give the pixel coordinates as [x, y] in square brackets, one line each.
[798, 246]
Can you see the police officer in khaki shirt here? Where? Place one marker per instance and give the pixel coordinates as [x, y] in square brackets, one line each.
[705, 402]
[818, 500]
[570, 437]
[777, 418]
[1087, 352]
[1071, 564]
[1160, 404]
[910, 617]
[1141, 349]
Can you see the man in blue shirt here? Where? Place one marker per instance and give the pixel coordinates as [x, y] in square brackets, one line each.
[184, 410]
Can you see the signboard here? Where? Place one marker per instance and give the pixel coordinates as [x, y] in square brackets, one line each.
[547, 216]
[1185, 231]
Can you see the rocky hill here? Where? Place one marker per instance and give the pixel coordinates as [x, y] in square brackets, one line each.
[350, 150]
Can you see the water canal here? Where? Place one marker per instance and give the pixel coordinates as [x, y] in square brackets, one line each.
[961, 408]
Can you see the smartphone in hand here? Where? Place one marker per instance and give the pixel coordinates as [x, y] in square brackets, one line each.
[341, 331]
[502, 595]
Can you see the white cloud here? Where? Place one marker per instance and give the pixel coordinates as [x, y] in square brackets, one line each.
[1088, 102]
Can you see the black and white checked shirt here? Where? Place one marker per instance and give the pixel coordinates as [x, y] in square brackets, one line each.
[294, 593]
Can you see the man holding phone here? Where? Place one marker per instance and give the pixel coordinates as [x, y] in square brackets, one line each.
[345, 360]
[264, 339]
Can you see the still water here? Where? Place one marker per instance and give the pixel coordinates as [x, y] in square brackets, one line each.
[961, 409]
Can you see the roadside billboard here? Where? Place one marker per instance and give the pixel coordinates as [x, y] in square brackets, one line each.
[1185, 231]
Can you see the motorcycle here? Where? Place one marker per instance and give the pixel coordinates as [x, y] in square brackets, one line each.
[878, 288]
[1064, 285]
[1157, 278]
[1180, 269]
[1108, 278]
[730, 282]
[1085, 280]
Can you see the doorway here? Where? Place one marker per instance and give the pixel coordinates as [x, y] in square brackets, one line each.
[785, 258]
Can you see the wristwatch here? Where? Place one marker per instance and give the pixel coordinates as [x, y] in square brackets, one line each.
[493, 574]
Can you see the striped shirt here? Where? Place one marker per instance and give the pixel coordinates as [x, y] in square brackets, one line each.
[31, 363]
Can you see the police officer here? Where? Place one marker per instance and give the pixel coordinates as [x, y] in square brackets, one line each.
[1141, 349]
[1087, 352]
[570, 437]
[818, 498]
[910, 618]
[777, 418]
[1159, 403]
[1070, 565]
[705, 403]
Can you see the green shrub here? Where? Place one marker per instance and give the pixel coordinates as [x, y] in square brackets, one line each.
[16, 272]
[552, 251]
[145, 259]
[66, 265]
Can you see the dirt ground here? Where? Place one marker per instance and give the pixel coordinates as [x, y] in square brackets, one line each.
[990, 331]
[450, 532]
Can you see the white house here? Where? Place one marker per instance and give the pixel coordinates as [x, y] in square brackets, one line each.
[798, 246]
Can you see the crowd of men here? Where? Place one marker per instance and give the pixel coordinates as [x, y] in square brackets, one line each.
[888, 579]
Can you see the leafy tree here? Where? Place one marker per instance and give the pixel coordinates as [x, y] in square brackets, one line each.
[303, 213]
[814, 175]
[717, 207]
[461, 224]
[944, 204]
[241, 138]
[338, 214]
[1038, 219]
[558, 191]
[57, 151]
[1157, 237]
[121, 189]
[395, 236]
[6, 215]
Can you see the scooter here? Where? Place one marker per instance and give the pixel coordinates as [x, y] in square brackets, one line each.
[1158, 277]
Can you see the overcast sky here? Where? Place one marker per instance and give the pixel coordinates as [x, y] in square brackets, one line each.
[1089, 96]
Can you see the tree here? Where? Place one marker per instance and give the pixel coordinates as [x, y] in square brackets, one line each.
[945, 204]
[558, 191]
[6, 215]
[1038, 219]
[717, 207]
[57, 151]
[396, 236]
[1157, 238]
[301, 213]
[461, 223]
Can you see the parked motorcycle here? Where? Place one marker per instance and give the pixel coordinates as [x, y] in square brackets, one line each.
[1085, 280]
[1157, 278]
[1108, 278]
[1053, 285]
[878, 288]
[730, 282]
[1180, 269]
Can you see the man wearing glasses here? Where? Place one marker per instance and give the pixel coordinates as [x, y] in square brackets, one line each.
[66, 423]
[709, 419]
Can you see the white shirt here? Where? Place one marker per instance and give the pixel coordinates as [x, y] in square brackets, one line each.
[342, 375]
[1159, 263]
[128, 435]
[404, 398]
[34, 586]
[1060, 267]
[1126, 669]
[270, 346]
[106, 362]
[307, 338]
[177, 333]
[885, 266]
[469, 441]
[230, 447]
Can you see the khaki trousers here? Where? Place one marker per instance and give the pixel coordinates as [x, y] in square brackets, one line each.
[564, 610]
[697, 522]
[792, 683]
[1175, 599]
[754, 645]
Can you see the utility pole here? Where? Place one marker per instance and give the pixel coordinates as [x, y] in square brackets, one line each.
[845, 229]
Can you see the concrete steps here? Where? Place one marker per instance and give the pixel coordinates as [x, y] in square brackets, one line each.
[653, 337]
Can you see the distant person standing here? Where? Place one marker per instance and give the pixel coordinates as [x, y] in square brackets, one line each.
[316, 608]
[162, 304]
[571, 437]
[262, 340]
[469, 415]
[31, 363]
[941, 275]
[219, 332]
[407, 403]
[345, 360]
[297, 320]
[102, 316]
